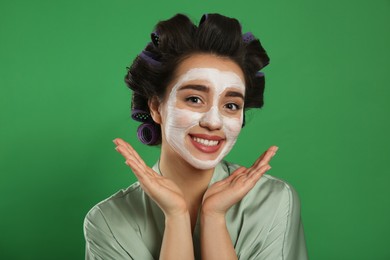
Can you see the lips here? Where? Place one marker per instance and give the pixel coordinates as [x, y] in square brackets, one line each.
[206, 143]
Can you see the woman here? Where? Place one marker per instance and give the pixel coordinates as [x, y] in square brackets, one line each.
[191, 86]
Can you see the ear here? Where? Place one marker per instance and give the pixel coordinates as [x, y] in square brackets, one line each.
[154, 105]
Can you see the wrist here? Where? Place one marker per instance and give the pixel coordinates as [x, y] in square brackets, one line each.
[178, 223]
[177, 216]
[209, 213]
[179, 211]
[212, 218]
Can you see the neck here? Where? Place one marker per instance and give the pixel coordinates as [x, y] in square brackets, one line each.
[188, 178]
[192, 181]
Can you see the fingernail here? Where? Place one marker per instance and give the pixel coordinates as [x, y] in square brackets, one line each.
[269, 168]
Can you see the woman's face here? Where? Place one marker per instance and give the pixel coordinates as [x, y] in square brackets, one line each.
[202, 112]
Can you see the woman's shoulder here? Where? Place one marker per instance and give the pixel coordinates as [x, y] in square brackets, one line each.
[123, 202]
[113, 226]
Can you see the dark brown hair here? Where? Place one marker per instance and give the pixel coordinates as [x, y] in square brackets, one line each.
[176, 39]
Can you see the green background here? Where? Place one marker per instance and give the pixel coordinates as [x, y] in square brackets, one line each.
[63, 100]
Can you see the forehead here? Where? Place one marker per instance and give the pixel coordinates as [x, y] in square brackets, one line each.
[209, 67]
[210, 77]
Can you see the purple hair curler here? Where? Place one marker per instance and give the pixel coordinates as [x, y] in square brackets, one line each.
[149, 58]
[141, 115]
[248, 37]
[259, 74]
[148, 133]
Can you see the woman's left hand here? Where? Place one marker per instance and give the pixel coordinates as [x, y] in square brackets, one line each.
[225, 193]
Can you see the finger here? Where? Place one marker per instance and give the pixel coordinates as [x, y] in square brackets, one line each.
[238, 171]
[150, 171]
[259, 159]
[146, 169]
[119, 141]
[139, 170]
[143, 168]
[131, 155]
[255, 175]
[267, 157]
[135, 167]
[240, 178]
[128, 155]
[143, 179]
[124, 151]
[134, 152]
[116, 140]
[130, 150]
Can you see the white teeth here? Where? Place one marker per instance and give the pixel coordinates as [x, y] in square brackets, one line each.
[205, 141]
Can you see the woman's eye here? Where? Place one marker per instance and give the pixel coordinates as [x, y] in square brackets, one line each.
[194, 100]
[232, 106]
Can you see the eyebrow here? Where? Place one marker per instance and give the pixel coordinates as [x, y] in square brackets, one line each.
[195, 87]
[206, 89]
[235, 94]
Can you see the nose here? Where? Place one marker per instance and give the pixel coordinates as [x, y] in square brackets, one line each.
[211, 119]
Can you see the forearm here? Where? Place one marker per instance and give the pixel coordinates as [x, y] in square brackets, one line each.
[177, 240]
[215, 238]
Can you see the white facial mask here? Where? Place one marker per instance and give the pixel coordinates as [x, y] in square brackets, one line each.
[178, 122]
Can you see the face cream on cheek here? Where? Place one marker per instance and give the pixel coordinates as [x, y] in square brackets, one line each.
[178, 122]
[231, 128]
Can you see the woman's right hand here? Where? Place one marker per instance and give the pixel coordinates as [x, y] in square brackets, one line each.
[162, 190]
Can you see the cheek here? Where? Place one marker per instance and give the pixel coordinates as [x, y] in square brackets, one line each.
[182, 118]
[232, 126]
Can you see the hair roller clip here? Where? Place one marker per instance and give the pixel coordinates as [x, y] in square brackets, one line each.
[204, 18]
[141, 115]
[148, 133]
[259, 74]
[155, 38]
[248, 37]
[149, 57]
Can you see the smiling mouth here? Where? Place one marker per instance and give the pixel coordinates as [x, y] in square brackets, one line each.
[205, 141]
[206, 144]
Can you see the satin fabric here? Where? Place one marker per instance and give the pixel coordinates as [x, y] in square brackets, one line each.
[265, 224]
